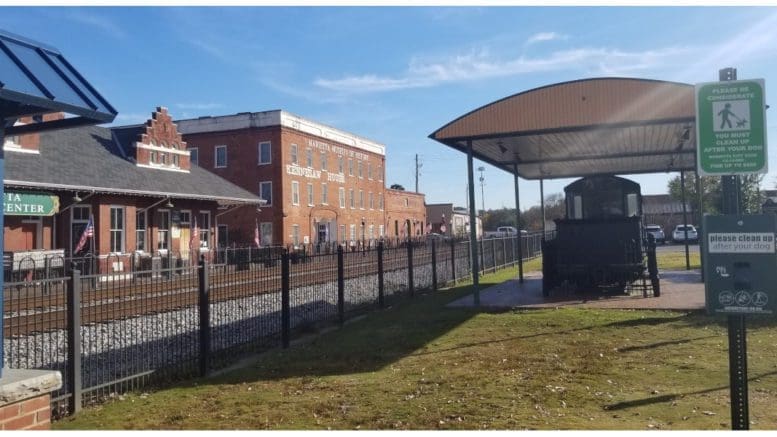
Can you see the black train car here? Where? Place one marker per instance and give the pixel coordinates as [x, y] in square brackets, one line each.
[600, 242]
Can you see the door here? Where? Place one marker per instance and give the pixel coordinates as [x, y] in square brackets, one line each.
[183, 243]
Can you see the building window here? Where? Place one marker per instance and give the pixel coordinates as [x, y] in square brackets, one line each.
[350, 167]
[265, 153]
[342, 197]
[221, 157]
[140, 231]
[265, 192]
[361, 199]
[309, 157]
[380, 231]
[294, 154]
[369, 171]
[310, 195]
[176, 160]
[163, 230]
[323, 161]
[371, 232]
[194, 156]
[407, 202]
[380, 173]
[163, 159]
[79, 219]
[380, 201]
[342, 233]
[294, 193]
[359, 169]
[295, 235]
[352, 198]
[152, 157]
[324, 195]
[353, 232]
[340, 165]
[372, 201]
[266, 230]
[204, 225]
[222, 236]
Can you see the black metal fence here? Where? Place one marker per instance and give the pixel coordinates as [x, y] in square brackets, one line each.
[110, 333]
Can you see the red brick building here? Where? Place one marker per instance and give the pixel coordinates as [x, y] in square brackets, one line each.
[405, 214]
[321, 184]
[136, 182]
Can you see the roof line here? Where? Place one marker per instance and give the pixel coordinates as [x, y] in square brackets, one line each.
[549, 86]
[126, 191]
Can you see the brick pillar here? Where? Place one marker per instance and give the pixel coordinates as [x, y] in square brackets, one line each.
[25, 400]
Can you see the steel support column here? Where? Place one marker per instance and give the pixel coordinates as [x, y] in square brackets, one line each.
[473, 236]
[685, 221]
[2, 238]
[699, 218]
[542, 206]
[518, 223]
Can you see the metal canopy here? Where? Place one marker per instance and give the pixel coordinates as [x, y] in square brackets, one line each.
[583, 127]
[36, 79]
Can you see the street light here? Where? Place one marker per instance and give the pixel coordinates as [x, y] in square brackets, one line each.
[482, 191]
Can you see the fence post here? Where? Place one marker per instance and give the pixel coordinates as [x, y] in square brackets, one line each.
[493, 253]
[434, 266]
[410, 284]
[482, 258]
[74, 340]
[381, 298]
[504, 251]
[204, 304]
[453, 260]
[340, 285]
[285, 304]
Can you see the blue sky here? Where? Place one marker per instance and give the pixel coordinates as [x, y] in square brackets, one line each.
[396, 74]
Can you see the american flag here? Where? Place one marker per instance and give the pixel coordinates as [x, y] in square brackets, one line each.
[88, 233]
[257, 238]
[443, 228]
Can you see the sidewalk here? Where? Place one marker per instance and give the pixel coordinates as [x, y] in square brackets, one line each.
[680, 290]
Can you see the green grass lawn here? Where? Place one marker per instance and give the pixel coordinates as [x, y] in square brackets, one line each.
[421, 365]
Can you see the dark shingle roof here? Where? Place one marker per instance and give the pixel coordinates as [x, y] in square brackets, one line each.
[88, 158]
[663, 204]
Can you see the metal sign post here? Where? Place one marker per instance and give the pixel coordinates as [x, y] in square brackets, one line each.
[739, 250]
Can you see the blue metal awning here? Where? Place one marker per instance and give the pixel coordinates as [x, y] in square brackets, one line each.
[36, 79]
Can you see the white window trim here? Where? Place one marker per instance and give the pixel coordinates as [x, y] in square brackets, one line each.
[294, 154]
[341, 197]
[311, 197]
[269, 202]
[74, 221]
[324, 194]
[293, 185]
[259, 149]
[216, 157]
[123, 230]
[144, 213]
[207, 230]
[309, 157]
[169, 239]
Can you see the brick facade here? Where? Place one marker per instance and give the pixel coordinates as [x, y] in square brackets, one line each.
[32, 414]
[294, 218]
[161, 145]
[405, 210]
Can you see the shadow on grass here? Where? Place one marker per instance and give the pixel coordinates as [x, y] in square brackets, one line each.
[670, 397]
[664, 343]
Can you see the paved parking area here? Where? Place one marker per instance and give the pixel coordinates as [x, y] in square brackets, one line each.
[680, 290]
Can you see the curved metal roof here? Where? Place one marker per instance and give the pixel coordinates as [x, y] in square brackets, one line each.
[583, 127]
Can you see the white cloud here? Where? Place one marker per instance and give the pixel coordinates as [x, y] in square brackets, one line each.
[98, 21]
[480, 65]
[198, 106]
[544, 36]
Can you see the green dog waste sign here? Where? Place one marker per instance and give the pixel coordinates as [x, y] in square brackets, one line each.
[730, 128]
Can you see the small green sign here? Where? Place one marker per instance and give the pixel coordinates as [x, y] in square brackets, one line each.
[739, 264]
[36, 204]
[730, 128]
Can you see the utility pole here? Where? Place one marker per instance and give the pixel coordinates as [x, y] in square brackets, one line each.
[482, 191]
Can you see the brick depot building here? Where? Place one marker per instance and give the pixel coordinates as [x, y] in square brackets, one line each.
[137, 183]
[322, 185]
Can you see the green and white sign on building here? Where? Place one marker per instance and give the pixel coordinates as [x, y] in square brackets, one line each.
[731, 128]
[35, 204]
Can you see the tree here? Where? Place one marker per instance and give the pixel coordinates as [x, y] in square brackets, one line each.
[751, 196]
[397, 187]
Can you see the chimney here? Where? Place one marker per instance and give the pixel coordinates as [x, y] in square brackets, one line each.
[30, 142]
[160, 145]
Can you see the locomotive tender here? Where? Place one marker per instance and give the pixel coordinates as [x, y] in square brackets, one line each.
[599, 244]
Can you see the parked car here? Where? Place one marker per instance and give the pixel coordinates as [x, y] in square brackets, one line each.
[503, 231]
[678, 235]
[657, 232]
